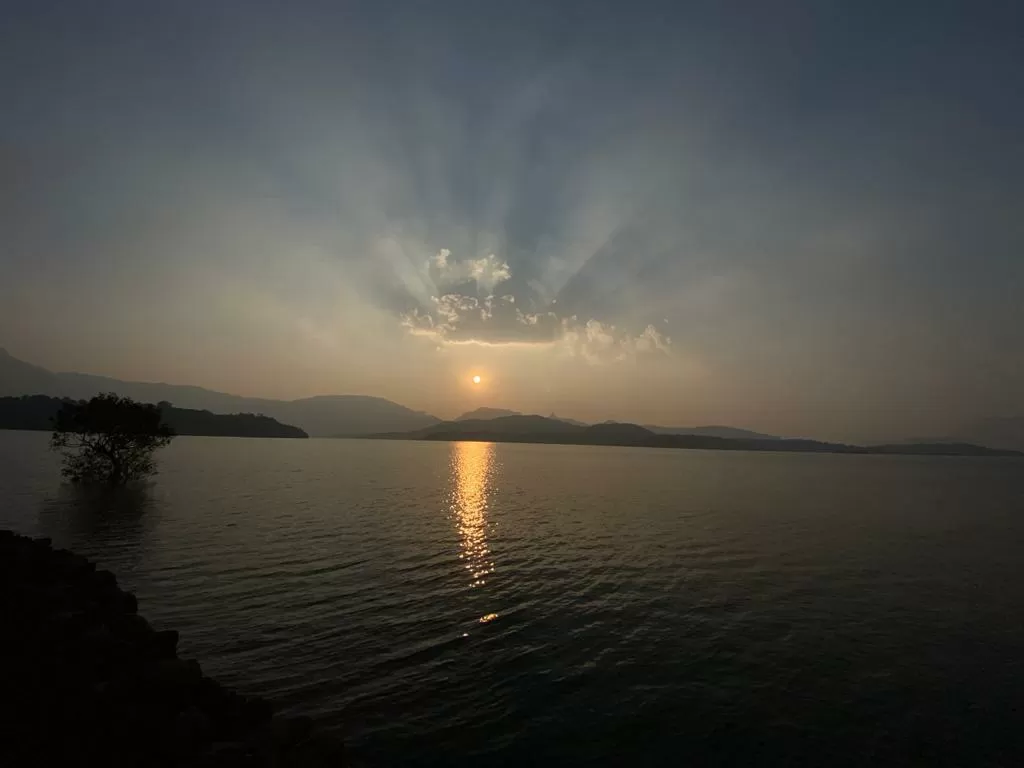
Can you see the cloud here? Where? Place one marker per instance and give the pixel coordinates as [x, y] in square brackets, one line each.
[462, 319]
[598, 342]
[486, 272]
[470, 313]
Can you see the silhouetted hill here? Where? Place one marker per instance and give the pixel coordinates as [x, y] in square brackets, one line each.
[731, 433]
[574, 422]
[998, 433]
[36, 412]
[326, 416]
[185, 421]
[486, 413]
[616, 433]
[538, 429]
[20, 378]
[504, 425]
[355, 415]
[346, 415]
[1006, 433]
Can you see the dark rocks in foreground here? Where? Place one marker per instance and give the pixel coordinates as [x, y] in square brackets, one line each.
[85, 680]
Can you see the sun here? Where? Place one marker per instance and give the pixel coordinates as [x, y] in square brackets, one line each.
[476, 379]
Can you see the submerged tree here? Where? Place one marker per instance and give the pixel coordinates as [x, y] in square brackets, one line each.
[109, 439]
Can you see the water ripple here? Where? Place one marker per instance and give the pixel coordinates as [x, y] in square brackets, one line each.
[469, 603]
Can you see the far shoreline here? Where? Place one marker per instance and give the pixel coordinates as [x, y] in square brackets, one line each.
[682, 442]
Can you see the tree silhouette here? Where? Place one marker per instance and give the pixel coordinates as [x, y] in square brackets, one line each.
[109, 439]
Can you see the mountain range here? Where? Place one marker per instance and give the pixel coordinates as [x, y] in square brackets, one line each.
[487, 413]
[355, 415]
[326, 416]
[497, 413]
[538, 429]
[731, 433]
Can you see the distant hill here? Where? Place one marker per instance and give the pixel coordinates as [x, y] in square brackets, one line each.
[998, 433]
[538, 429]
[617, 433]
[1006, 433]
[731, 433]
[503, 425]
[486, 413]
[569, 421]
[498, 413]
[326, 416]
[21, 378]
[356, 415]
[36, 412]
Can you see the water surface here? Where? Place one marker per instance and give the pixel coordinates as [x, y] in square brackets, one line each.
[480, 604]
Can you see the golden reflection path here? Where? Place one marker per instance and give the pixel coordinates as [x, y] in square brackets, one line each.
[472, 473]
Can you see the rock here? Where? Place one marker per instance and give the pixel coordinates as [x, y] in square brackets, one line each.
[174, 673]
[96, 685]
[167, 687]
[227, 754]
[287, 731]
[104, 580]
[130, 603]
[256, 711]
[98, 639]
[79, 622]
[58, 596]
[192, 729]
[70, 565]
[209, 695]
[163, 644]
[133, 629]
[320, 750]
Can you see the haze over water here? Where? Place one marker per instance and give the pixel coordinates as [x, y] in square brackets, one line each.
[473, 603]
[799, 217]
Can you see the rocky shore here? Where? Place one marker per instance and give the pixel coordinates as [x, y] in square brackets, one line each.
[85, 680]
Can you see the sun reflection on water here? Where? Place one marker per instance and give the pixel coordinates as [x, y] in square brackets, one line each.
[472, 467]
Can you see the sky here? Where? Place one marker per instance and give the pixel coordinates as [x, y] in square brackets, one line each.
[805, 218]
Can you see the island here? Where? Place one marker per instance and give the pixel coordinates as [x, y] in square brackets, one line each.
[36, 412]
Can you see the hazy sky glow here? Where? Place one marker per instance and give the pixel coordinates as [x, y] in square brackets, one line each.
[803, 218]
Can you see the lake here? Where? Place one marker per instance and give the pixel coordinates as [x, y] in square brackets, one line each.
[504, 604]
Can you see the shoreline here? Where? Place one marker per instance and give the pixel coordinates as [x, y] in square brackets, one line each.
[700, 443]
[89, 682]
